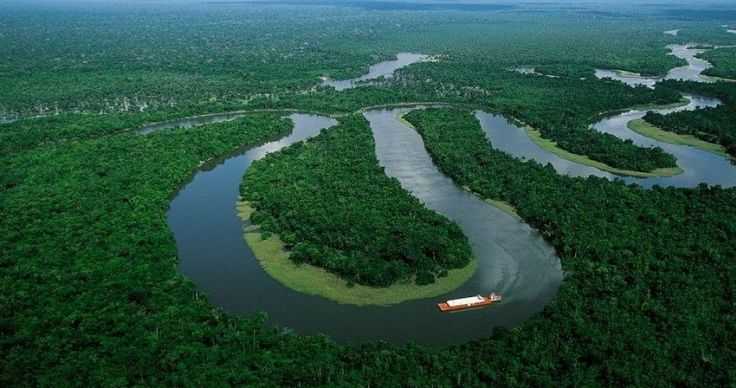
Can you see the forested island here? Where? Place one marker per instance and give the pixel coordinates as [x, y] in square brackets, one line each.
[723, 60]
[713, 125]
[362, 225]
[91, 282]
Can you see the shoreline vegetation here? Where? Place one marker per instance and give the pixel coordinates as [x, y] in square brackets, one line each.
[362, 227]
[95, 291]
[504, 206]
[644, 128]
[551, 146]
[273, 257]
[596, 218]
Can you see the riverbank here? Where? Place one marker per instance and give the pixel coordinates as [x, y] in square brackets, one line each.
[308, 279]
[501, 205]
[643, 128]
[551, 146]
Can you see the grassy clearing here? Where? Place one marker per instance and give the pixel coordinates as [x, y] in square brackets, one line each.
[504, 206]
[309, 279]
[501, 205]
[644, 128]
[551, 146]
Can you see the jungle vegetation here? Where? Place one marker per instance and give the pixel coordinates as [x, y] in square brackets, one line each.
[641, 256]
[714, 125]
[723, 61]
[89, 289]
[134, 64]
[334, 208]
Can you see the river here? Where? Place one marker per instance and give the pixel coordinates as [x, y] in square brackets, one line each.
[693, 71]
[189, 122]
[512, 258]
[384, 69]
[699, 166]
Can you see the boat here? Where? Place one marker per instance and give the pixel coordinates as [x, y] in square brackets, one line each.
[472, 302]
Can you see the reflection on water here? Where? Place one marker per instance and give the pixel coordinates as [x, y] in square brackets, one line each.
[528, 70]
[699, 166]
[213, 253]
[631, 79]
[383, 69]
[190, 122]
[513, 258]
[509, 138]
[690, 72]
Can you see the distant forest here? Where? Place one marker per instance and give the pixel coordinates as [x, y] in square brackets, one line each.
[90, 289]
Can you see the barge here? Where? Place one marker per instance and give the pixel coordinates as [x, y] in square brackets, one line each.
[472, 302]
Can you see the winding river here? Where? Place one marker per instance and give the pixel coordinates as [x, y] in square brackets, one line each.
[699, 166]
[384, 69]
[189, 122]
[693, 71]
[513, 258]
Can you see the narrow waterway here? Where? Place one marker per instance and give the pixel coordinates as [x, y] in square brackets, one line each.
[190, 122]
[384, 69]
[508, 137]
[699, 166]
[693, 71]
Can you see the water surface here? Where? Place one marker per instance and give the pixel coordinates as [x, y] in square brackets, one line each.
[384, 69]
[699, 166]
[532, 71]
[189, 122]
[513, 259]
[512, 139]
[693, 71]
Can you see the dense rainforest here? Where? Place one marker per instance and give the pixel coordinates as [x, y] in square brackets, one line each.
[642, 256]
[723, 61]
[198, 65]
[334, 207]
[89, 286]
[714, 125]
[562, 109]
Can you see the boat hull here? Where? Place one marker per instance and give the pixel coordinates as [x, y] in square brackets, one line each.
[445, 308]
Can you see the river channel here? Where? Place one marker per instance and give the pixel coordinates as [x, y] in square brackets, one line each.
[512, 258]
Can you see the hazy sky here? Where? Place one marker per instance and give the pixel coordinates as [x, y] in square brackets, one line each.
[690, 4]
